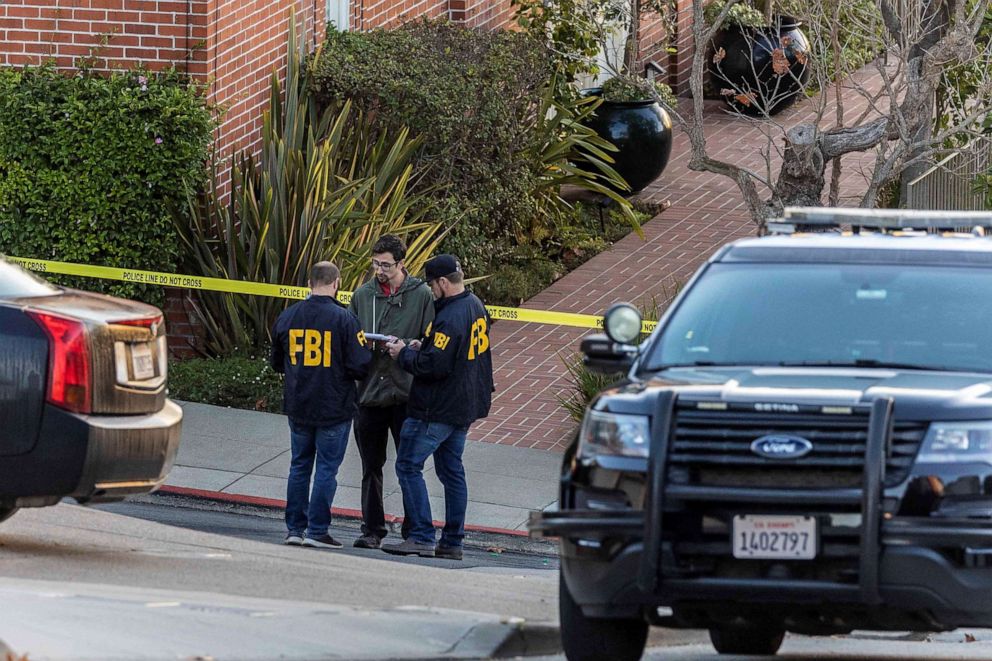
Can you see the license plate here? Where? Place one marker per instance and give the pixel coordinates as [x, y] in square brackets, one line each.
[142, 365]
[774, 537]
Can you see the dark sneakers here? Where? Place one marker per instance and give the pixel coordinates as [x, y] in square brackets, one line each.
[324, 541]
[367, 542]
[448, 552]
[410, 547]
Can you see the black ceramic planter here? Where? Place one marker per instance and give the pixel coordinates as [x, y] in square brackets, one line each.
[761, 69]
[642, 132]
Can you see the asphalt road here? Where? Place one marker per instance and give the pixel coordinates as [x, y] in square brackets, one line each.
[84, 583]
[73, 543]
[165, 578]
[262, 524]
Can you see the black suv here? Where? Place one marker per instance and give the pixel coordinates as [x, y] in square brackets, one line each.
[803, 444]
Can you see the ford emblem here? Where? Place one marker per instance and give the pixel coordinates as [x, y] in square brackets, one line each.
[781, 446]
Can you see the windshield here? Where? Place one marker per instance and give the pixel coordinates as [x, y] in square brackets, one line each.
[15, 282]
[832, 314]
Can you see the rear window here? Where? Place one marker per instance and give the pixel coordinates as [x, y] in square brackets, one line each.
[15, 282]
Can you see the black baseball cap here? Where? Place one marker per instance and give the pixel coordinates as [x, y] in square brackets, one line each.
[441, 266]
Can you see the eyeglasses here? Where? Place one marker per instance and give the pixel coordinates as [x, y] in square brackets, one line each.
[385, 266]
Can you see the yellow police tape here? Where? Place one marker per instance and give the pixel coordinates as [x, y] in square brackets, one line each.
[283, 291]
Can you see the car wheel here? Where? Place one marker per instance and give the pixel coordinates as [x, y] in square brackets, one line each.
[747, 639]
[594, 639]
[7, 512]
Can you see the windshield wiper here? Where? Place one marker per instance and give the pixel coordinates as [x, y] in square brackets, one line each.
[859, 362]
[698, 363]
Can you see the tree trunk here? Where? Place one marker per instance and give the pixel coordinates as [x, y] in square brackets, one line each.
[800, 181]
[921, 96]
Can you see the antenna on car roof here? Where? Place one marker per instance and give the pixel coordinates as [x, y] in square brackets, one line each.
[820, 219]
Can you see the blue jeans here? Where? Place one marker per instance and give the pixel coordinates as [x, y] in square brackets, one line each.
[420, 440]
[312, 514]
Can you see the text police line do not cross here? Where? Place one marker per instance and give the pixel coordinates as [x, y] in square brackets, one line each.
[522, 315]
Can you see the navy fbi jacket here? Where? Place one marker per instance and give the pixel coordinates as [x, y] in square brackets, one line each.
[320, 347]
[453, 370]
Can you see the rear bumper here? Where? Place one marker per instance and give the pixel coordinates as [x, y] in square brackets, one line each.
[92, 457]
[129, 454]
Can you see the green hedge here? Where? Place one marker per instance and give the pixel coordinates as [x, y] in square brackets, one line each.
[472, 95]
[238, 382]
[90, 165]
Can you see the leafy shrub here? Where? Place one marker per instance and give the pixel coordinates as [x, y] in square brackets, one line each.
[627, 88]
[236, 381]
[497, 145]
[90, 164]
[742, 14]
[471, 95]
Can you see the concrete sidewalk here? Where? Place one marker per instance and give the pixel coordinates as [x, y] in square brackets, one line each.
[243, 456]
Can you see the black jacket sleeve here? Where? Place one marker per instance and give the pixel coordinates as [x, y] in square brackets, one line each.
[357, 356]
[277, 357]
[437, 355]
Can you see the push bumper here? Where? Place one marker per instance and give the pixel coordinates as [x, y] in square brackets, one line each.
[909, 573]
[914, 571]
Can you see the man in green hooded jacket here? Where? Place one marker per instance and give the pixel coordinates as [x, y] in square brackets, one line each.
[395, 304]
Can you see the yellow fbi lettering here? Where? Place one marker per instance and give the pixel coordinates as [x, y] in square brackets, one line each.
[441, 340]
[479, 341]
[313, 344]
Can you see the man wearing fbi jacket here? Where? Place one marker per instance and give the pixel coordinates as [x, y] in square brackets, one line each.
[321, 348]
[452, 388]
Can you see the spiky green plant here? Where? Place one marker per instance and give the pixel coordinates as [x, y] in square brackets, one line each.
[323, 188]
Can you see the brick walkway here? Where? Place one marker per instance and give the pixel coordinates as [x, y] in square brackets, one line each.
[706, 212]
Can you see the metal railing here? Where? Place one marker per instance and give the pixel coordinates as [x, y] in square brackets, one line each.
[950, 183]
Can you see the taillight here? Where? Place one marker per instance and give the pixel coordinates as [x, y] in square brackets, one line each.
[69, 362]
[151, 323]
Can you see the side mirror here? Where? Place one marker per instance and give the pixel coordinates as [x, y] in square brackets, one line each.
[604, 356]
[615, 351]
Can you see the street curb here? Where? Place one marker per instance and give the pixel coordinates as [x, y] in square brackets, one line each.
[275, 503]
[530, 639]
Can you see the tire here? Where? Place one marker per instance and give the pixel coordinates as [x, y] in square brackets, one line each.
[7, 512]
[747, 639]
[595, 639]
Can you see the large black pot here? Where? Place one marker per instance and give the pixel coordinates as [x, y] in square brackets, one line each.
[641, 131]
[745, 71]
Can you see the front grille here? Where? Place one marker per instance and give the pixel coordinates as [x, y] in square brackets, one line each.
[712, 447]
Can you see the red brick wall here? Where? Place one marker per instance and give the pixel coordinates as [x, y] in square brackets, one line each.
[185, 334]
[246, 39]
[488, 14]
[113, 33]
[230, 44]
[371, 14]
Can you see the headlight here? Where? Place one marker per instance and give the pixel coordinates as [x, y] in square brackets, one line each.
[614, 433]
[953, 442]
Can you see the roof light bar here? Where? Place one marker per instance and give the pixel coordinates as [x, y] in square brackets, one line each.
[884, 219]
